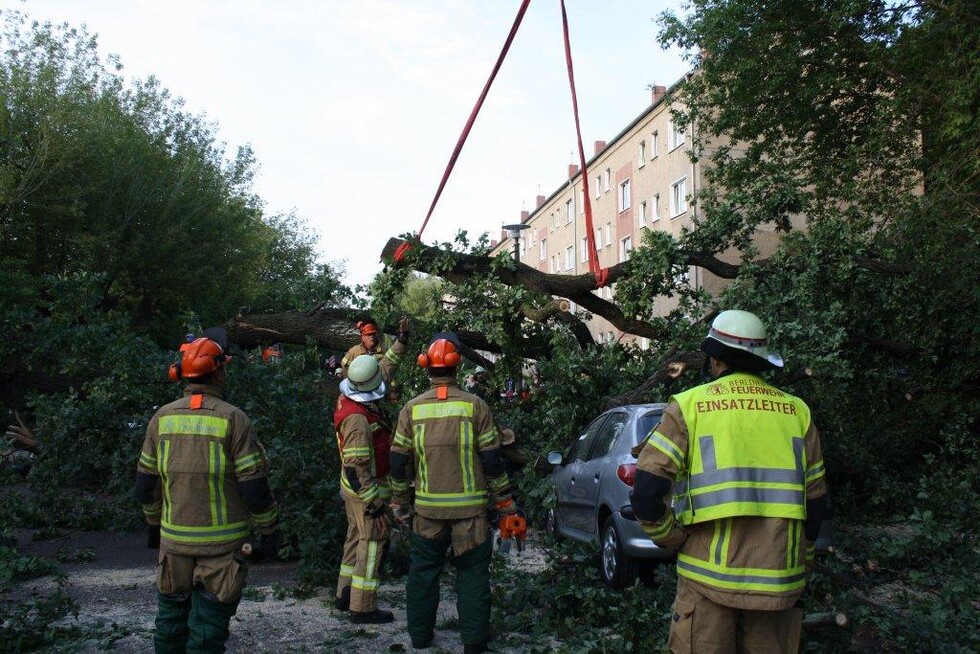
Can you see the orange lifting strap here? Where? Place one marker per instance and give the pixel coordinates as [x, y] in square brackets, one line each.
[600, 274]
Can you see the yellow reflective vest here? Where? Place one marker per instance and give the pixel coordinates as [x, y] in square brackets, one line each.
[745, 456]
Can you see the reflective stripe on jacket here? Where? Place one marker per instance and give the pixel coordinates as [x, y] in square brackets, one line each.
[364, 440]
[200, 454]
[745, 456]
[444, 438]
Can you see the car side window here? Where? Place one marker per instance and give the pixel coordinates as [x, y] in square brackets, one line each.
[606, 437]
[580, 448]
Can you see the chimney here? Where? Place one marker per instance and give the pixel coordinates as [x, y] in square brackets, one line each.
[597, 147]
[572, 170]
[525, 215]
[657, 92]
[539, 201]
[493, 242]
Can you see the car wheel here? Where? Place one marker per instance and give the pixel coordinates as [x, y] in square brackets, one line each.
[618, 570]
[551, 525]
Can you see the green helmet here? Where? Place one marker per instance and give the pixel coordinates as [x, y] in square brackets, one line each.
[364, 374]
[734, 332]
[364, 382]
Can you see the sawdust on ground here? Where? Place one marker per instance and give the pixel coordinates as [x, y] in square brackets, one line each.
[111, 576]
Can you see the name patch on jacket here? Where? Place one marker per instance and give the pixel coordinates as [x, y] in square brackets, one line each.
[733, 404]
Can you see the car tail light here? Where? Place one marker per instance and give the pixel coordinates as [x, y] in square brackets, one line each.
[626, 472]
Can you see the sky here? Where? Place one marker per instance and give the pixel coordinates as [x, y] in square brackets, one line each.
[353, 107]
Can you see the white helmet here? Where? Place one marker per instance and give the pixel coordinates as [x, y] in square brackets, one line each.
[740, 330]
[364, 382]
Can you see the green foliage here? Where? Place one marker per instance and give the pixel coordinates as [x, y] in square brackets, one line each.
[566, 608]
[118, 180]
[291, 404]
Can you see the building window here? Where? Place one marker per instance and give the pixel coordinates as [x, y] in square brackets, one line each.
[655, 216]
[555, 217]
[569, 257]
[624, 195]
[598, 237]
[569, 211]
[678, 197]
[644, 343]
[607, 233]
[606, 177]
[543, 250]
[598, 186]
[625, 248]
[654, 144]
[675, 136]
[583, 256]
[581, 200]
[642, 214]
[641, 154]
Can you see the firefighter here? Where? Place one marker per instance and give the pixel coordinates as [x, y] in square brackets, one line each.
[733, 479]
[202, 477]
[364, 439]
[371, 343]
[446, 443]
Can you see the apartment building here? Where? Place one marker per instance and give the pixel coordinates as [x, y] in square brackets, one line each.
[642, 179]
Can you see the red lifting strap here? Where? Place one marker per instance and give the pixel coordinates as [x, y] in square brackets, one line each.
[403, 248]
[601, 274]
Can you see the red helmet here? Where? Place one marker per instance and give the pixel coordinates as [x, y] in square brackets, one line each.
[199, 358]
[367, 327]
[442, 354]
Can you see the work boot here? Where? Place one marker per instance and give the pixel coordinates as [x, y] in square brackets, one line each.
[342, 603]
[376, 616]
[422, 644]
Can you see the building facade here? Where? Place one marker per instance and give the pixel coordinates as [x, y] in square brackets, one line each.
[643, 179]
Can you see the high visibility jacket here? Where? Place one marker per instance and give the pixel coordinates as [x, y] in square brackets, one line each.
[201, 447]
[744, 457]
[364, 436]
[745, 454]
[447, 433]
[364, 439]
[384, 350]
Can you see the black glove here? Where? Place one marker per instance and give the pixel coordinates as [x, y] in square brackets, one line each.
[376, 509]
[153, 537]
[269, 546]
[403, 331]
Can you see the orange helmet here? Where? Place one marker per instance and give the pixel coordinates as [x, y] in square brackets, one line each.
[198, 358]
[367, 327]
[442, 354]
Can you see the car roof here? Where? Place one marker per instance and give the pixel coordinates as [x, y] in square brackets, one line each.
[637, 408]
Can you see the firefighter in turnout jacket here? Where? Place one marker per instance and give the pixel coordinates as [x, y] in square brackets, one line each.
[202, 479]
[447, 445]
[364, 439]
[372, 342]
[733, 478]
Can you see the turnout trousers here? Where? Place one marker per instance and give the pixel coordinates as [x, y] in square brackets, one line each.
[360, 567]
[700, 626]
[472, 550]
[197, 597]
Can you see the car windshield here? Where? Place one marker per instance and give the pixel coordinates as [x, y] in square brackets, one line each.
[645, 423]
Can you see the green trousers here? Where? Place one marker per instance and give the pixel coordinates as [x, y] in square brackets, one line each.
[192, 622]
[472, 589]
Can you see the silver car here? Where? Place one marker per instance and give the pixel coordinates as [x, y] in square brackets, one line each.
[593, 481]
